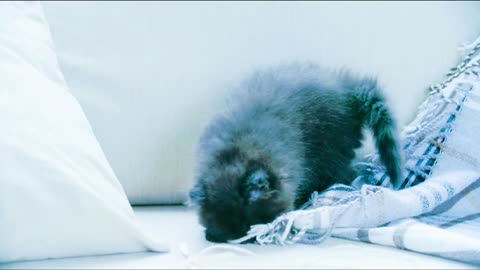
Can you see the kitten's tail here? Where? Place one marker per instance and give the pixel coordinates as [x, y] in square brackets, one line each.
[380, 120]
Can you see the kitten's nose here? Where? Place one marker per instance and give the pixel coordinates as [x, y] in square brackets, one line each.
[255, 194]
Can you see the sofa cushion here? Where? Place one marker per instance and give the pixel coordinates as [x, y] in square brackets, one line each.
[59, 197]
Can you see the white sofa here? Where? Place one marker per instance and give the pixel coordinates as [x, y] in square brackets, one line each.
[149, 75]
[179, 227]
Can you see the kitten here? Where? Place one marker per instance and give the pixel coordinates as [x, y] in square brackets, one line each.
[288, 131]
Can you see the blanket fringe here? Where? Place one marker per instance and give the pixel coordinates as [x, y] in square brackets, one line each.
[282, 230]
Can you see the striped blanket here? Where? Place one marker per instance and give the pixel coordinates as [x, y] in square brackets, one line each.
[436, 212]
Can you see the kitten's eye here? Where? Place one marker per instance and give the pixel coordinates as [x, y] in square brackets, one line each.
[259, 180]
[257, 185]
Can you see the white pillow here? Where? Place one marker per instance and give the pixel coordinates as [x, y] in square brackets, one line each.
[150, 74]
[58, 194]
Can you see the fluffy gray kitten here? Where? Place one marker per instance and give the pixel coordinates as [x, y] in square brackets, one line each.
[288, 131]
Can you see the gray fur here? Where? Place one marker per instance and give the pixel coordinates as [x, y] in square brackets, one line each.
[289, 131]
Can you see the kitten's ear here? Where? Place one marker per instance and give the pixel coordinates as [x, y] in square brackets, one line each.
[196, 196]
[257, 185]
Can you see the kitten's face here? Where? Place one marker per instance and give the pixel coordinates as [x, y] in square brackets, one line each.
[232, 196]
